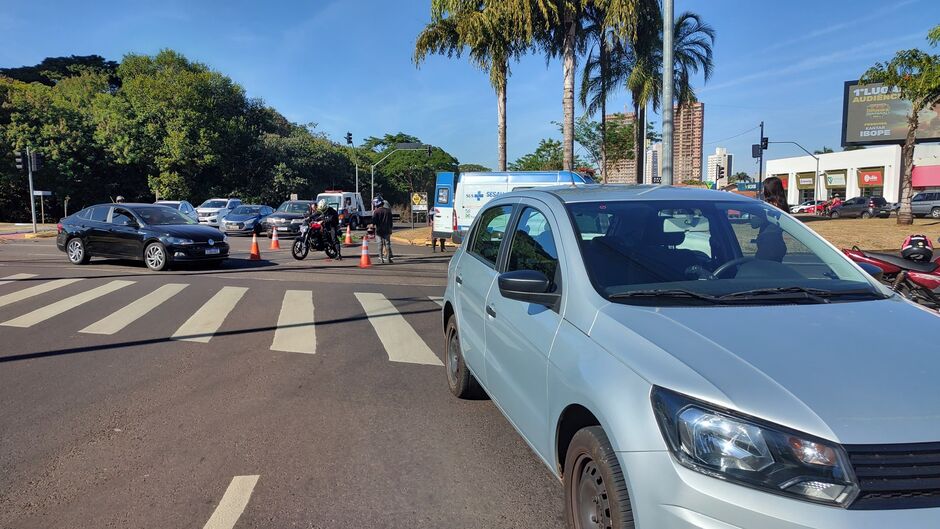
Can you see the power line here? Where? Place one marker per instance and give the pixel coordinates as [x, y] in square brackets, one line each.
[733, 137]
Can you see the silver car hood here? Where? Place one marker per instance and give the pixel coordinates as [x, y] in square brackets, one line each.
[863, 372]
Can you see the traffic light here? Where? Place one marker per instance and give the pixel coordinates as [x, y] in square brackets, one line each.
[763, 143]
[19, 160]
[721, 172]
[349, 138]
[35, 161]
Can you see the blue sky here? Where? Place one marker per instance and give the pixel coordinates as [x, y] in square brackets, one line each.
[346, 64]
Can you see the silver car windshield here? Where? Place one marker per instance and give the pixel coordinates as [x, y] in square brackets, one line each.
[668, 252]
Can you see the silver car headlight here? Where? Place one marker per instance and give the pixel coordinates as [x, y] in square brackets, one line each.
[748, 451]
[178, 241]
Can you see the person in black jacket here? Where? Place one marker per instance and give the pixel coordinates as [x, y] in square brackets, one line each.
[382, 218]
[329, 218]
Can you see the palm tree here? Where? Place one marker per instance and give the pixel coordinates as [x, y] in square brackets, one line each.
[488, 34]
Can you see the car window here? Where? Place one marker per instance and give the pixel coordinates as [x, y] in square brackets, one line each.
[100, 213]
[233, 203]
[84, 214]
[533, 245]
[489, 234]
[121, 217]
[294, 207]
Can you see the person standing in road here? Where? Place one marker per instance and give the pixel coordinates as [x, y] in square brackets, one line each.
[382, 218]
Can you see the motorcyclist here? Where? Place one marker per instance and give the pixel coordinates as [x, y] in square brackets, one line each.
[329, 219]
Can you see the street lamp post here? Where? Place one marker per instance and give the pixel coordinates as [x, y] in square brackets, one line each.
[815, 178]
[667, 115]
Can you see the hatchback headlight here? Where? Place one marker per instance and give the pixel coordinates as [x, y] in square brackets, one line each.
[748, 451]
[178, 240]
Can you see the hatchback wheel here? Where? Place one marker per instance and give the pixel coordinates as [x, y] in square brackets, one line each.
[459, 379]
[155, 256]
[596, 494]
[75, 249]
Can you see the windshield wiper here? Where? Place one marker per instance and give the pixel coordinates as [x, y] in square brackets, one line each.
[815, 295]
[666, 293]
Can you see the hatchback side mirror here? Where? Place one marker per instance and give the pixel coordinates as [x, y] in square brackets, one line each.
[529, 286]
[872, 270]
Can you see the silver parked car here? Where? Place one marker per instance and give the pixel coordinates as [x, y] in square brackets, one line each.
[640, 339]
[183, 206]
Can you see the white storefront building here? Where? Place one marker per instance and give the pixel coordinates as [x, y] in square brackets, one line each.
[873, 171]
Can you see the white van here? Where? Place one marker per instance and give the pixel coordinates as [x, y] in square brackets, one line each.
[350, 207]
[474, 190]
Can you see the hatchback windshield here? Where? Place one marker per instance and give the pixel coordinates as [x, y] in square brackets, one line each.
[214, 204]
[294, 207]
[668, 252]
[157, 216]
[246, 210]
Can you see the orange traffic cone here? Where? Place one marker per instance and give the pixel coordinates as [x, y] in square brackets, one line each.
[255, 252]
[348, 243]
[364, 261]
[275, 244]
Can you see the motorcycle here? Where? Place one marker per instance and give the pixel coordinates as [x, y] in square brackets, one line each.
[918, 281]
[313, 237]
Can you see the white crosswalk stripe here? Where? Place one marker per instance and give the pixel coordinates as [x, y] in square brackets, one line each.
[400, 340]
[134, 311]
[296, 331]
[54, 309]
[206, 321]
[41, 288]
[14, 278]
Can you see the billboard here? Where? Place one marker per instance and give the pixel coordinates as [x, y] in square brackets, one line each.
[875, 114]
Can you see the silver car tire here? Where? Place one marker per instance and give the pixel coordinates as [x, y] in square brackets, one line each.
[459, 379]
[155, 257]
[76, 251]
[596, 494]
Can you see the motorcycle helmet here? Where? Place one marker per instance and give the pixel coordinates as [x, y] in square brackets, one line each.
[917, 248]
[321, 204]
[377, 203]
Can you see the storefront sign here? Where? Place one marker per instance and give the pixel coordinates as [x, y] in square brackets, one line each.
[871, 177]
[835, 179]
[748, 186]
[805, 180]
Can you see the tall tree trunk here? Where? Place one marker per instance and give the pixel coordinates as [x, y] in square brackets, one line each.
[568, 60]
[501, 122]
[641, 146]
[905, 215]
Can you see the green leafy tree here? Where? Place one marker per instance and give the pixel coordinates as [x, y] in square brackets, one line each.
[917, 75]
[824, 150]
[405, 172]
[740, 176]
[548, 156]
[473, 168]
[616, 144]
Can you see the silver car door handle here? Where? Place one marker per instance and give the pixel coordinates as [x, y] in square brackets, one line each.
[491, 311]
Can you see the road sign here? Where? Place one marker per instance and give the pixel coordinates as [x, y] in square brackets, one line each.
[42, 193]
[419, 202]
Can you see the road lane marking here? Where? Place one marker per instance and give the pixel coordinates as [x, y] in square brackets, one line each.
[134, 311]
[437, 299]
[41, 288]
[296, 331]
[14, 278]
[54, 309]
[206, 321]
[233, 503]
[399, 338]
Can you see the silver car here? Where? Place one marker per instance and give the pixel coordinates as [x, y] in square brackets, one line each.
[643, 341]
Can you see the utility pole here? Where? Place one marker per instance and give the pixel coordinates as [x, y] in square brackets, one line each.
[32, 199]
[668, 65]
[760, 160]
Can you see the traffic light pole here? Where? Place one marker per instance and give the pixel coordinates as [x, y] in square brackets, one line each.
[760, 161]
[32, 199]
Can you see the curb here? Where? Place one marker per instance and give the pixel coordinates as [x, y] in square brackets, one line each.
[411, 242]
[40, 235]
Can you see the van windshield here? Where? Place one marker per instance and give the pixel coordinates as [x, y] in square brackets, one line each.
[669, 252]
[214, 204]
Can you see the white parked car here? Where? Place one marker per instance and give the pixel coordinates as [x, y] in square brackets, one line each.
[183, 206]
[637, 338]
[214, 210]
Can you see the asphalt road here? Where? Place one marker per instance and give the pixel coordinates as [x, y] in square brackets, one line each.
[274, 393]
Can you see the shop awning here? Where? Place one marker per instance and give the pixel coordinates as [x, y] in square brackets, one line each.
[926, 176]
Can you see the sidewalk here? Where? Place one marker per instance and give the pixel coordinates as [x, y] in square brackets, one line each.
[416, 237]
[24, 230]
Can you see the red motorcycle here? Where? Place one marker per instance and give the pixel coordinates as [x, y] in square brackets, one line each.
[313, 237]
[914, 274]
